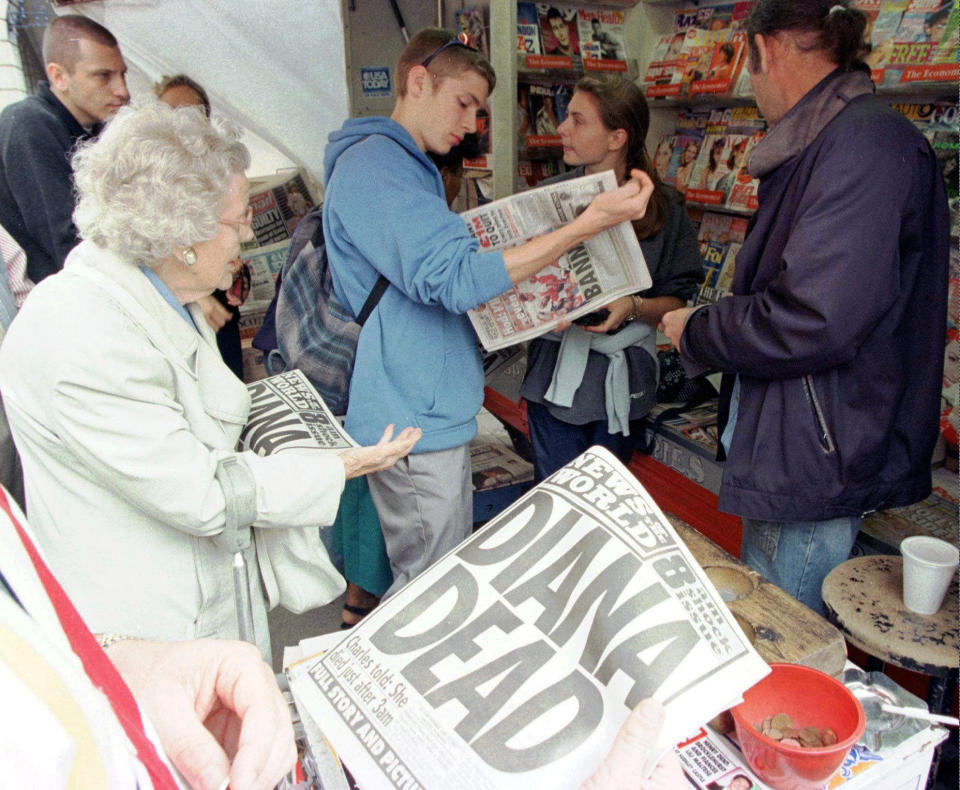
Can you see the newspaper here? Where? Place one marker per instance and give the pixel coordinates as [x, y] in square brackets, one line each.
[287, 413]
[279, 202]
[514, 659]
[710, 763]
[585, 278]
[493, 465]
[265, 264]
[601, 34]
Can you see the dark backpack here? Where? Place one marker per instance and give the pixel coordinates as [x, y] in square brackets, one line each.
[313, 330]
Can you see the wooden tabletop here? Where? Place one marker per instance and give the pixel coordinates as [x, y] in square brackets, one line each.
[864, 598]
[780, 627]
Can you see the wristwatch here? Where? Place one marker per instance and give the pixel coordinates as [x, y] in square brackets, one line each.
[636, 300]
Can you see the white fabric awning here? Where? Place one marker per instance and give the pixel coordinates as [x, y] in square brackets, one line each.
[276, 68]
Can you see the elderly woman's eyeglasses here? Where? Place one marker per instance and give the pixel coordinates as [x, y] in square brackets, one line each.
[453, 42]
[237, 223]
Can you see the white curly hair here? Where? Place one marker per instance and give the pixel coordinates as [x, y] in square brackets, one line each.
[155, 179]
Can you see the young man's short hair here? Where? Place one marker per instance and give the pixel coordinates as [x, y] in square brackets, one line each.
[451, 62]
[61, 39]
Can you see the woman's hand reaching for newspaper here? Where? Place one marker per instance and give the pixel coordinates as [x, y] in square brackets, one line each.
[358, 461]
[635, 742]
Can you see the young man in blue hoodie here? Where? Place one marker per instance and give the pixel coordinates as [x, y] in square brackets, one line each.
[417, 361]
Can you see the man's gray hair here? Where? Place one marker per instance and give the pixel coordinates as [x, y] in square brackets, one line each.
[155, 180]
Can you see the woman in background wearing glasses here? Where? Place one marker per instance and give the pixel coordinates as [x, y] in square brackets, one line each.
[122, 408]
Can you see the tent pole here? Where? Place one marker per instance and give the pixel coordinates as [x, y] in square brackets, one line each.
[400, 22]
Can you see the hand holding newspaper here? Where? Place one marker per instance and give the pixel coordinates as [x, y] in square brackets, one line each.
[287, 413]
[514, 660]
[585, 278]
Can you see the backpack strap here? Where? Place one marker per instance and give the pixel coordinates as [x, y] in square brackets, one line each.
[317, 240]
[377, 291]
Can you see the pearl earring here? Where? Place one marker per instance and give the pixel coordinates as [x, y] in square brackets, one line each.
[189, 256]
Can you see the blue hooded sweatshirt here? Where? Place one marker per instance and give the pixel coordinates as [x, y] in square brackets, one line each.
[417, 360]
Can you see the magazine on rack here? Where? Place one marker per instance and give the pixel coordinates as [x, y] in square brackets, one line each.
[493, 465]
[279, 202]
[719, 238]
[514, 660]
[586, 277]
[558, 31]
[528, 29]
[664, 75]
[287, 413]
[472, 26]
[601, 33]
[542, 106]
[723, 61]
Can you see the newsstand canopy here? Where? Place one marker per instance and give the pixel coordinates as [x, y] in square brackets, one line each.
[274, 67]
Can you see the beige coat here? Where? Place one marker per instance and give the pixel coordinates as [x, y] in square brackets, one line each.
[121, 411]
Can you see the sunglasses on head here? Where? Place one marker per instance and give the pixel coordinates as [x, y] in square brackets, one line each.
[453, 42]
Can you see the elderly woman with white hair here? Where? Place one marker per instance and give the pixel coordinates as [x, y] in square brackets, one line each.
[125, 416]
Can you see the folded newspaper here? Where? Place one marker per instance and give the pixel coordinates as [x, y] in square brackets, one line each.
[514, 659]
[585, 278]
[287, 413]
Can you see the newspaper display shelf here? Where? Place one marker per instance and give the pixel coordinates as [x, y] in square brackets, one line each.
[935, 516]
[683, 478]
[500, 477]
[685, 498]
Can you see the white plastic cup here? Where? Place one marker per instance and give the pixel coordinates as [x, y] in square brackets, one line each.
[928, 567]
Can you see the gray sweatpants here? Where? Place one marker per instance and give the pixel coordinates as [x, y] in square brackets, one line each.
[425, 505]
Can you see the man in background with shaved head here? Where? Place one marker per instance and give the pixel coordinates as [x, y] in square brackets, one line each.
[86, 85]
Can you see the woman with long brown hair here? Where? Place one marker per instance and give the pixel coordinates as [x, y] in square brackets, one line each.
[605, 129]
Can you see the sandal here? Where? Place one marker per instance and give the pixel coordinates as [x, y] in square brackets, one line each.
[359, 611]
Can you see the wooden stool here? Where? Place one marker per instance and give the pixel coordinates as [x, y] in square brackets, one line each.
[864, 598]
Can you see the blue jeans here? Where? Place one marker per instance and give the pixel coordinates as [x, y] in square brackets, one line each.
[797, 555]
[556, 443]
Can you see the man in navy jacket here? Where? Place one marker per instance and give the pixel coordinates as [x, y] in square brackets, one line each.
[832, 342]
[87, 85]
